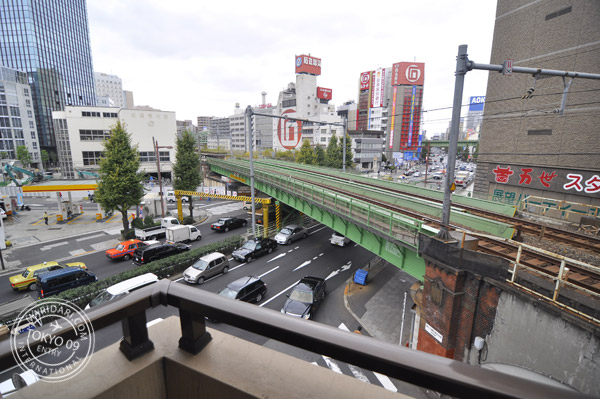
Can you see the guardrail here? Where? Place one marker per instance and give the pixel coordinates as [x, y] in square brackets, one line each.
[429, 371]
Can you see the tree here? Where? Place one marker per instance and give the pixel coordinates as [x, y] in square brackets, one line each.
[53, 157]
[120, 185]
[23, 155]
[319, 156]
[305, 155]
[45, 157]
[187, 166]
[333, 158]
[349, 155]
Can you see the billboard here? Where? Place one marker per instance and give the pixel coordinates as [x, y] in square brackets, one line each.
[365, 81]
[408, 73]
[476, 103]
[378, 86]
[308, 64]
[289, 132]
[323, 93]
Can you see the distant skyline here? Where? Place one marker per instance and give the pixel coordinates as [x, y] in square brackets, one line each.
[200, 58]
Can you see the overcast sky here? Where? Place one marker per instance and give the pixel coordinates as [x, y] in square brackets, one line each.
[200, 58]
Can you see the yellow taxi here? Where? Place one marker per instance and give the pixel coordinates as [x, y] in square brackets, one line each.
[27, 279]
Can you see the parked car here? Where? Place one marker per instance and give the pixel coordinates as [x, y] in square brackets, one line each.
[305, 297]
[27, 279]
[252, 249]
[149, 253]
[206, 267]
[226, 224]
[57, 281]
[123, 288]
[7, 387]
[290, 233]
[247, 289]
[338, 239]
[125, 249]
[3, 213]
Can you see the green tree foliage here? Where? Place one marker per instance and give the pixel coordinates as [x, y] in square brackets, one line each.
[120, 184]
[23, 155]
[45, 157]
[187, 167]
[333, 157]
[475, 152]
[285, 155]
[319, 156]
[305, 155]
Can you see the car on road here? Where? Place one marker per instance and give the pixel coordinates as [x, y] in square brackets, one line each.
[27, 279]
[305, 298]
[27, 378]
[339, 240]
[125, 250]
[437, 176]
[206, 267]
[254, 248]
[123, 288]
[417, 174]
[247, 289]
[149, 253]
[226, 224]
[290, 233]
[57, 281]
[3, 213]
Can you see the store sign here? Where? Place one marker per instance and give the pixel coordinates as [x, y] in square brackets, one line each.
[289, 132]
[476, 103]
[323, 93]
[378, 86]
[408, 73]
[365, 81]
[308, 64]
[434, 333]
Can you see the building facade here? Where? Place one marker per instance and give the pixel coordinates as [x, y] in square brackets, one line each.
[50, 42]
[109, 90]
[17, 119]
[82, 130]
[529, 147]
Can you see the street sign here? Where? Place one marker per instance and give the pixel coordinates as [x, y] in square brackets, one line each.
[507, 67]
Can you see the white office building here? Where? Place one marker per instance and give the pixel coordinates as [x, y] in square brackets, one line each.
[109, 90]
[81, 131]
[17, 118]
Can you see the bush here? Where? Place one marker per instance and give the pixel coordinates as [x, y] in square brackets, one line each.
[163, 268]
[137, 223]
[128, 235]
[188, 220]
[149, 221]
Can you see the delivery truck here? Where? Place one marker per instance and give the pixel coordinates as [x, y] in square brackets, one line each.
[152, 233]
[183, 233]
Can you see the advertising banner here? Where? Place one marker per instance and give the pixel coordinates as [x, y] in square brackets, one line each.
[308, 64]
[378, 86]
[408, 73]
[476, 103]
[323, 93]
[365, 81]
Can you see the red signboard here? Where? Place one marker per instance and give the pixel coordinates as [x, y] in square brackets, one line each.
[323, 93]
[308, 64]
[289, 132]
[408, 73]
[365, 81]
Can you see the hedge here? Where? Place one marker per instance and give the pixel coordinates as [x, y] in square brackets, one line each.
[163, 268]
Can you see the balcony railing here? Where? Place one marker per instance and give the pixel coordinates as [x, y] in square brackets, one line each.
[444, 375]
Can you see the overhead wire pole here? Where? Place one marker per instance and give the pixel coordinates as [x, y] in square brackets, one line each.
[249, 113]
[463, 65]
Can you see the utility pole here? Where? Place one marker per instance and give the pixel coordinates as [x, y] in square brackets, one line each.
[249, 129]
[464, 65]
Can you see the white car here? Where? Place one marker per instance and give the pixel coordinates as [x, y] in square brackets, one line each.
[2, 213]
[339, 240]
[8, 387]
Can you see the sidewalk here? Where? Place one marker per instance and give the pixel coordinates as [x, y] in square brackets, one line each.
[379, 306]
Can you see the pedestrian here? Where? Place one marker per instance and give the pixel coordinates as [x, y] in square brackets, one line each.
[45, 217]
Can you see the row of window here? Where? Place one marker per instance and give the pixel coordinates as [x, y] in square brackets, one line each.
[94, 157]
[94, 135]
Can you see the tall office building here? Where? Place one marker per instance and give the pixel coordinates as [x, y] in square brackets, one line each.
[49, 40]
[109, 88]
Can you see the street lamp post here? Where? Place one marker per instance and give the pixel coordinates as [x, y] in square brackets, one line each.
[160, 187]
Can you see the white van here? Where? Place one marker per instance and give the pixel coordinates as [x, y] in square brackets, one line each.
[171, 197]
[123, 288]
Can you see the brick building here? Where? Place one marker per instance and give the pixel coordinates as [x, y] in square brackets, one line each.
[527, 146]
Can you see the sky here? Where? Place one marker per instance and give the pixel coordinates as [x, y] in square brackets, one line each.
[200, 58]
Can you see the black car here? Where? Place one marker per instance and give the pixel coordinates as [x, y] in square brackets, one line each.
[252, 249]
[157, 251]
[226, 224]
[305, 297]
[247, 289]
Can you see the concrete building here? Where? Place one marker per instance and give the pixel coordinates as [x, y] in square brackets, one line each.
[128, 99]
[528, 147]
[109, 90]
[186, 125]
[367, 148]
[51, 44]
[204, 122]
[17, 120]
[82, 130]
[220, 126]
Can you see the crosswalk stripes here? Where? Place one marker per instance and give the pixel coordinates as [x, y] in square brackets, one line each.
[356, 372]
[227, 208]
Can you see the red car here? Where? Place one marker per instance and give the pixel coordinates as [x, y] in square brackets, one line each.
[124, 250]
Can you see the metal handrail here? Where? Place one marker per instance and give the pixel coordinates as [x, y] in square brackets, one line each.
[429, 371]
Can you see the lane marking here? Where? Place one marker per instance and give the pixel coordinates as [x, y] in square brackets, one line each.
[290, 251]
[302, 265]
[332, 365]
[265, 273]
[281, 292]
[90, 237]
[50, 246]
[358, 374]
[77, 252]
[277, 257]
[386, 382]
[316, 231]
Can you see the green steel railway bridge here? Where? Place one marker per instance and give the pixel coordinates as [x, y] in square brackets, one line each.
[382, 216]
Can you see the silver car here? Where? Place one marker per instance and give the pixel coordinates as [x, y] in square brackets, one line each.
[290, 233]
[206, 267]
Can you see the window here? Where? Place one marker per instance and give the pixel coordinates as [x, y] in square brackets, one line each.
[31, 125]
[91, 157]
[147, 156]
[109, 114]
[90, 114]
[93, 135]
[539, 132]
[26, 92]
[34, 145]
[28, 103]
[14, 111]
[29, 114]
[33, 135]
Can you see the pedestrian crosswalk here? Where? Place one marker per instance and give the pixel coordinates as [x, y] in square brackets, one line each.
[225, 209]
[367, 376]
